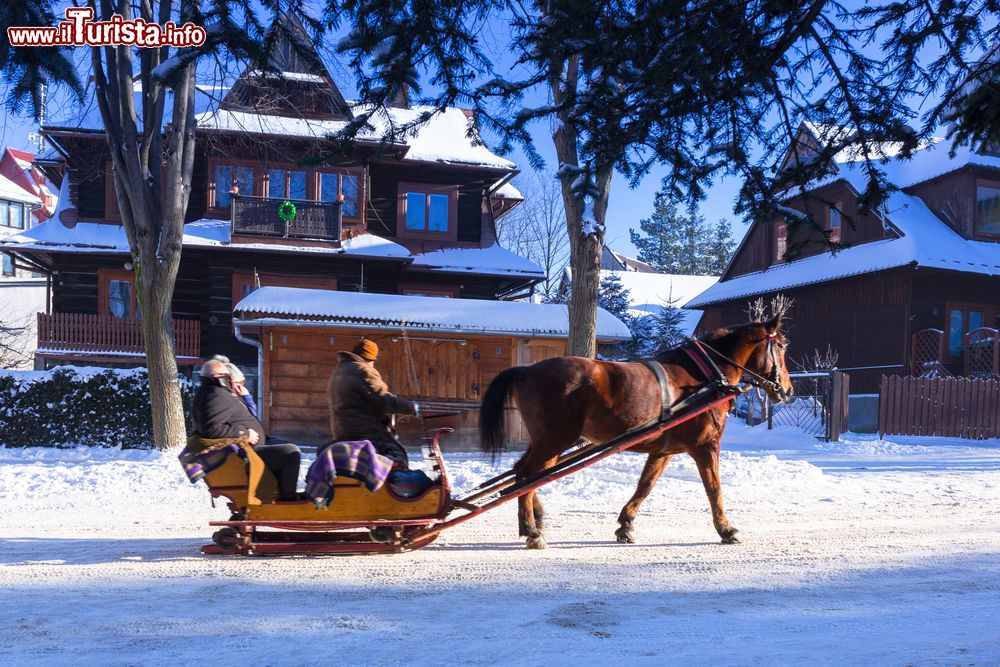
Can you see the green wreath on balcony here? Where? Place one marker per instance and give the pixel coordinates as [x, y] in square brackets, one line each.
[286, 211]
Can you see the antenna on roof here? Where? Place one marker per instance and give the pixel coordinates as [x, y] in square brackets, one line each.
[36, 137]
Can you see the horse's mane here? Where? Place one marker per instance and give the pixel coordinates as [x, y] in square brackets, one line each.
[723, 339]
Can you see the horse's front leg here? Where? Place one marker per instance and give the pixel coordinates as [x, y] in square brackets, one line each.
[651, 472]
[706, 457]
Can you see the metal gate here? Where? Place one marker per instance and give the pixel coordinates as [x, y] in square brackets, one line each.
[818, 406]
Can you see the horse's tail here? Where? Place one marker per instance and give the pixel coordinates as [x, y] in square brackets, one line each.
[491, 411]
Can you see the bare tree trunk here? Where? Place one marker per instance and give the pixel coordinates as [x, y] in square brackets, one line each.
[586, 242]
[157, 329]
[152, 189]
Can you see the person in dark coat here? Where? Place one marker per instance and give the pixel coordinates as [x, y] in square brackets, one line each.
[219, 413]
[361, 403]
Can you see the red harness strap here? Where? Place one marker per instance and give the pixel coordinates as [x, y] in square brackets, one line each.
[704, 362]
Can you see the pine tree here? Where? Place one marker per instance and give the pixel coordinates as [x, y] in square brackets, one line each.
[721, 248]
[660, 237]
[669, 326]
[613, 297]
[683, 244]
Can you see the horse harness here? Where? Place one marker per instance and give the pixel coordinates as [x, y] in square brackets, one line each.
[753, 378]
[703, 361]
[698, 351]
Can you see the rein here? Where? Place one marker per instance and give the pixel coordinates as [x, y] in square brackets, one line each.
[756, 379]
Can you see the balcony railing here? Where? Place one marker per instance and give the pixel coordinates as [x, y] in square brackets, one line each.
[96, 336]
[258, 216]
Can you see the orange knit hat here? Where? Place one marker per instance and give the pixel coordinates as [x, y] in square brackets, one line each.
[366, 349]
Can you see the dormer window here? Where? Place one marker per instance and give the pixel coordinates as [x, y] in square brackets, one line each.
[835, 221]
[427, 211]
[780, 240]
[988, 209]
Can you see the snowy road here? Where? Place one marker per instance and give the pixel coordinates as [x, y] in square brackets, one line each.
[856, 553]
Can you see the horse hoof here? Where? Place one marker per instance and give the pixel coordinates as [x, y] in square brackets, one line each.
[536, 543]
[625, 536]
[729, 537]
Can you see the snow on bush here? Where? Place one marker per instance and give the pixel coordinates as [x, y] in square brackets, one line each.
[78, 406]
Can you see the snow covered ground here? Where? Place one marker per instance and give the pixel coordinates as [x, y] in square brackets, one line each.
[862, 552]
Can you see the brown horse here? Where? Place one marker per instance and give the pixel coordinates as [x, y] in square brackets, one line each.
[565, 399]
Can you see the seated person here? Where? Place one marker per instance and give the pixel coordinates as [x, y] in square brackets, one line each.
[219, 413]
[361, 403]
[238, 382]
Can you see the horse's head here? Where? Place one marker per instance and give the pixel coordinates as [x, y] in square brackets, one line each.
[767, 359]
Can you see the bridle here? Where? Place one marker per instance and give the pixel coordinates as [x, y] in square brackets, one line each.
[756, 379]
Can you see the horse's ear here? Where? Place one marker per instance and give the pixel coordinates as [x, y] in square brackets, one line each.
[773, 324]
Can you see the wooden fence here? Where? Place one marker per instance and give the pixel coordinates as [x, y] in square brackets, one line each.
[946, 406]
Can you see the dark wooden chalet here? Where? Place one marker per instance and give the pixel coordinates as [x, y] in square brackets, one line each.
[415, 217]
[913, 285]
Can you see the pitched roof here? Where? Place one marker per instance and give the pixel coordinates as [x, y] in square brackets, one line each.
[924, 241]
[11, 191]
[443, 139]
[392, 312]
[492, 260]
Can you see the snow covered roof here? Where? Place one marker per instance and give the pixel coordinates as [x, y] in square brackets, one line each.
[924, 241]
[53, 236]
[649, 292]
[508, 191]
[277, 305]
[11, 191]
[216, 233]
[442, 139]
[493, 260]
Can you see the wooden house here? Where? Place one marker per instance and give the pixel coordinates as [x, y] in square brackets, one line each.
[411, 218]
[440, 351]
[915, 280]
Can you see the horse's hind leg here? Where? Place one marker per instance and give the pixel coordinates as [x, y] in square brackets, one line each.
[651, 472]
[529, 507]
[707, 459]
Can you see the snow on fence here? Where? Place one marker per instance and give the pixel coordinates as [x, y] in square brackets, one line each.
[943, 406]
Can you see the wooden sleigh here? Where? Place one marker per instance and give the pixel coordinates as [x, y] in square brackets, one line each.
[356, 521]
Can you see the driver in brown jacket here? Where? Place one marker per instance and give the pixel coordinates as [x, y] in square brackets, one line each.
[361, 403]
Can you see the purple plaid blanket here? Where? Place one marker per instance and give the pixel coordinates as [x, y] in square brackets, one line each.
[357, 459]
[198, 465]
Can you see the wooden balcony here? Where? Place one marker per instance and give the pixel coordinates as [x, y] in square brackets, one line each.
[258, 216]
[100, 338]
